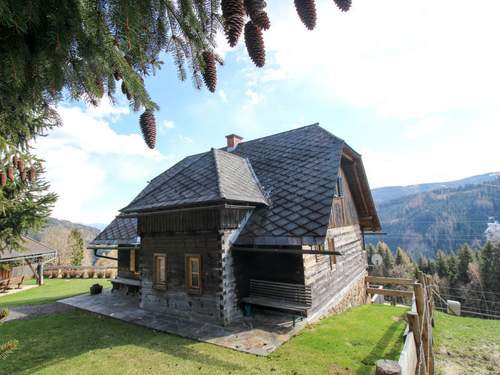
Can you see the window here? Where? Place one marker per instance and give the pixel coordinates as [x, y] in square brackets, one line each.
[133, 263]
[160, 271]
[333, 257]
[193, 273]
[339, 188]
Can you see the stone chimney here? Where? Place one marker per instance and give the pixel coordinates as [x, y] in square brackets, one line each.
[232, 141]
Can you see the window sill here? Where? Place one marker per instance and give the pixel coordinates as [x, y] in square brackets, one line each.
[194, 291]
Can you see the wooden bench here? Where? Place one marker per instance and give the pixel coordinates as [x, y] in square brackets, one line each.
[7, 284]
[282, 296]
[132, 285]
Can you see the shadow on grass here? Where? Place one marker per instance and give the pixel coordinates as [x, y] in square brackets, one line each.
[382, 349]
[47, 341]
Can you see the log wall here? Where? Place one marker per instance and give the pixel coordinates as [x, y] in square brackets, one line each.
[329, 279]
[176, 299]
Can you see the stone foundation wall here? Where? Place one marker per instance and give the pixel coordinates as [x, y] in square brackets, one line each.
[352, 295]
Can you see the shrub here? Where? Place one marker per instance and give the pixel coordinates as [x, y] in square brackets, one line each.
[91, 274]
[7, 348]
[73, 274]
[100, 274]
[108, 274]
[4, 313]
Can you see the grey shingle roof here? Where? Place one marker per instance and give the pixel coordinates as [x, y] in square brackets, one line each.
[121, 231]
[209, 177]
[291, 176]
[298, 170]
[30, 248]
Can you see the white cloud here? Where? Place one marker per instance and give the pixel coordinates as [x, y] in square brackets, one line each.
[254, 98]
[167, 124]
[402, 58]
[470, 149]
[425, 127]
[86, 159]
[185, 139]
[222, 95]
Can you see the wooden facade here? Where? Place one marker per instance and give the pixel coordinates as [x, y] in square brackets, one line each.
[326, 276]
[188, 267]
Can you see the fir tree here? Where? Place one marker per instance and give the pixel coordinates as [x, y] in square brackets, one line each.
[490, 267]
[76, 245]
[441, 264]
[465, 256]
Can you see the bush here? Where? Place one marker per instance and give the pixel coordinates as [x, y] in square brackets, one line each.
[91, 274]
[100, 274]
[108, 274]
[7, 348]
[4, 313]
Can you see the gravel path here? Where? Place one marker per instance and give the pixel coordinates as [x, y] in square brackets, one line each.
[32, 311]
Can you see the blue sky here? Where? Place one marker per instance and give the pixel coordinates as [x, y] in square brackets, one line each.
[411, 85]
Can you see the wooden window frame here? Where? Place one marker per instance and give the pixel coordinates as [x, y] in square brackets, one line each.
[132, 261]
[339, 187]
[157, 284]
[189, 281]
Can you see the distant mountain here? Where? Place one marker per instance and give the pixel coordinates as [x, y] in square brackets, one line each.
[99, 226]
[55, 234]
[384, 194]
[442, 218]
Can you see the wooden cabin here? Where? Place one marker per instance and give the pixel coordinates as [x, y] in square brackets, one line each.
[273, 223]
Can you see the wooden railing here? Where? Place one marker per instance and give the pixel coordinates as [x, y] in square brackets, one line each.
[417, 356]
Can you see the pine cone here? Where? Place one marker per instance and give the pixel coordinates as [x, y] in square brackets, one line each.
[148, 127]
[23, 175]
[210, 71]
[100, 87]
[32, 174]
[125, 91]
[3, 178]
[117, 75]
[10, 174]
[256, 12]
[255, 44]
[344, 5]
[233, 12]
[14, 160]
[20, 165]
[307, 12]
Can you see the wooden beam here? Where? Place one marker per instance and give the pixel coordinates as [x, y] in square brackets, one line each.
[390, 292]
[285, 251]
[389, 280]
[37, 277]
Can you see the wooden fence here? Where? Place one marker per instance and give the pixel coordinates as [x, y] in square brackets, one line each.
[417, 356]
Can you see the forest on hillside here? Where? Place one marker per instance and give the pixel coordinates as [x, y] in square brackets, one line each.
[441, 219]
[469, 276]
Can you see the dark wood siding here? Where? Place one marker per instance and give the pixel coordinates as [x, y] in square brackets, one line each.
[124, 264]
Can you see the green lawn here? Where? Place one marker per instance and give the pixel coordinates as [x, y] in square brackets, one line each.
[53, 290]
[83, 343]
[466, 345]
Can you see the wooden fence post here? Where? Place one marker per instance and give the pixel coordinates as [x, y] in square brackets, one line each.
[414, 324]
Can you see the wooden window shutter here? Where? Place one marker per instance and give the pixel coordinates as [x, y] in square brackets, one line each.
[160, 271]
[193, 264]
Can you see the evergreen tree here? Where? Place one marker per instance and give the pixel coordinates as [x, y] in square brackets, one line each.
[76, 246]
[452, 268]
[387, 257]
[465, 256]
[441, 264]
[490, 267]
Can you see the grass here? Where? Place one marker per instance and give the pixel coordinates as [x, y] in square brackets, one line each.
[466, 345]
[82, 343]
[51, 291]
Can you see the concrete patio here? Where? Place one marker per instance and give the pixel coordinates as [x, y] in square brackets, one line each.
[260, 335]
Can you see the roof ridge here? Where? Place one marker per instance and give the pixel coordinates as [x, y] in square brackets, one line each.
[217, 172]
[280, 133]
[257, 181]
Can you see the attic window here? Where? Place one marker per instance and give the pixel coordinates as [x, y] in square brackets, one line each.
[339, 187]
